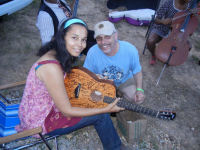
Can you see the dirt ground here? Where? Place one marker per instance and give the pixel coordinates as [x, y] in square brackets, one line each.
[178, 89]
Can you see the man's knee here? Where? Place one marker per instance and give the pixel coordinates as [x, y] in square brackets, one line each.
[128, 92]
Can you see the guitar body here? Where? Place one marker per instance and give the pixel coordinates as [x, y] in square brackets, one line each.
[85, 89]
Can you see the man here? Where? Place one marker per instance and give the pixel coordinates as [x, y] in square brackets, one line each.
[51, 14]
[116, 60]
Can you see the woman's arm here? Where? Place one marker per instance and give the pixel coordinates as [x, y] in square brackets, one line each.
[166, 21]
[161, 16]
[52, 76]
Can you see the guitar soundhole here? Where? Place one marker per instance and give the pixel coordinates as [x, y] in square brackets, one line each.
[96, 96]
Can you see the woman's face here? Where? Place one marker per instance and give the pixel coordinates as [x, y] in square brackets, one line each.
[75, 39]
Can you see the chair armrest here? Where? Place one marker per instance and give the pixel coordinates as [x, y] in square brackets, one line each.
[10, 85]
[19, 135]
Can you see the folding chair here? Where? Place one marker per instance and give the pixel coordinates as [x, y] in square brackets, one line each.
[20, 135]
[157, 3]
[9, 119]
[9, 116]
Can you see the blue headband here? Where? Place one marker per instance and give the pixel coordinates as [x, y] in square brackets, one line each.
[72, 21]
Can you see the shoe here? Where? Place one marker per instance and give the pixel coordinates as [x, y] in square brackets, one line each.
[153, 60]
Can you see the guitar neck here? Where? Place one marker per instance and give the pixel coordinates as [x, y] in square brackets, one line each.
[132, 107]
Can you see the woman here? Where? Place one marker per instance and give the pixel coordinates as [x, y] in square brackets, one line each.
[163, 21]
[45, 102]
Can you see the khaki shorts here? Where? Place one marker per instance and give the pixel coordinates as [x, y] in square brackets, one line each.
[127, 89]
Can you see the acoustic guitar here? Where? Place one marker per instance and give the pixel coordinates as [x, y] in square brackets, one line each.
[86, 90]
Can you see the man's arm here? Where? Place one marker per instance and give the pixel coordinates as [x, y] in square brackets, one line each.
[139, 94]
[45, 26]
[138, 79]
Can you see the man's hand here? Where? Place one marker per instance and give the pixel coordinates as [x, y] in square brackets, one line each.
[139, 97]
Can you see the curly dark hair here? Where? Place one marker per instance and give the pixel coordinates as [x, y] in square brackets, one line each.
[58, 44]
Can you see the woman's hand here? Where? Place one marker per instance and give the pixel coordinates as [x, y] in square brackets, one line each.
[167, 21]
[112, 107]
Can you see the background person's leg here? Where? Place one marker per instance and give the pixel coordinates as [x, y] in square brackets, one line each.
[151, 45]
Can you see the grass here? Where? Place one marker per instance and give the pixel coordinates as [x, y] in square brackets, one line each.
[197, 45]
[195, 58]
[18, 30]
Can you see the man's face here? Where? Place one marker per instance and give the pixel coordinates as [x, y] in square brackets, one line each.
[107, 43]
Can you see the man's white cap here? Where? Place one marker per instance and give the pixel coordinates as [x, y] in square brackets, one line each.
[104, 28]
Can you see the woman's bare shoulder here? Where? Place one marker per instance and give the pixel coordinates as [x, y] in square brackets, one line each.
[50, 55]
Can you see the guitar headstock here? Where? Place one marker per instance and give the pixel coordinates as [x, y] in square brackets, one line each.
[166, 115]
